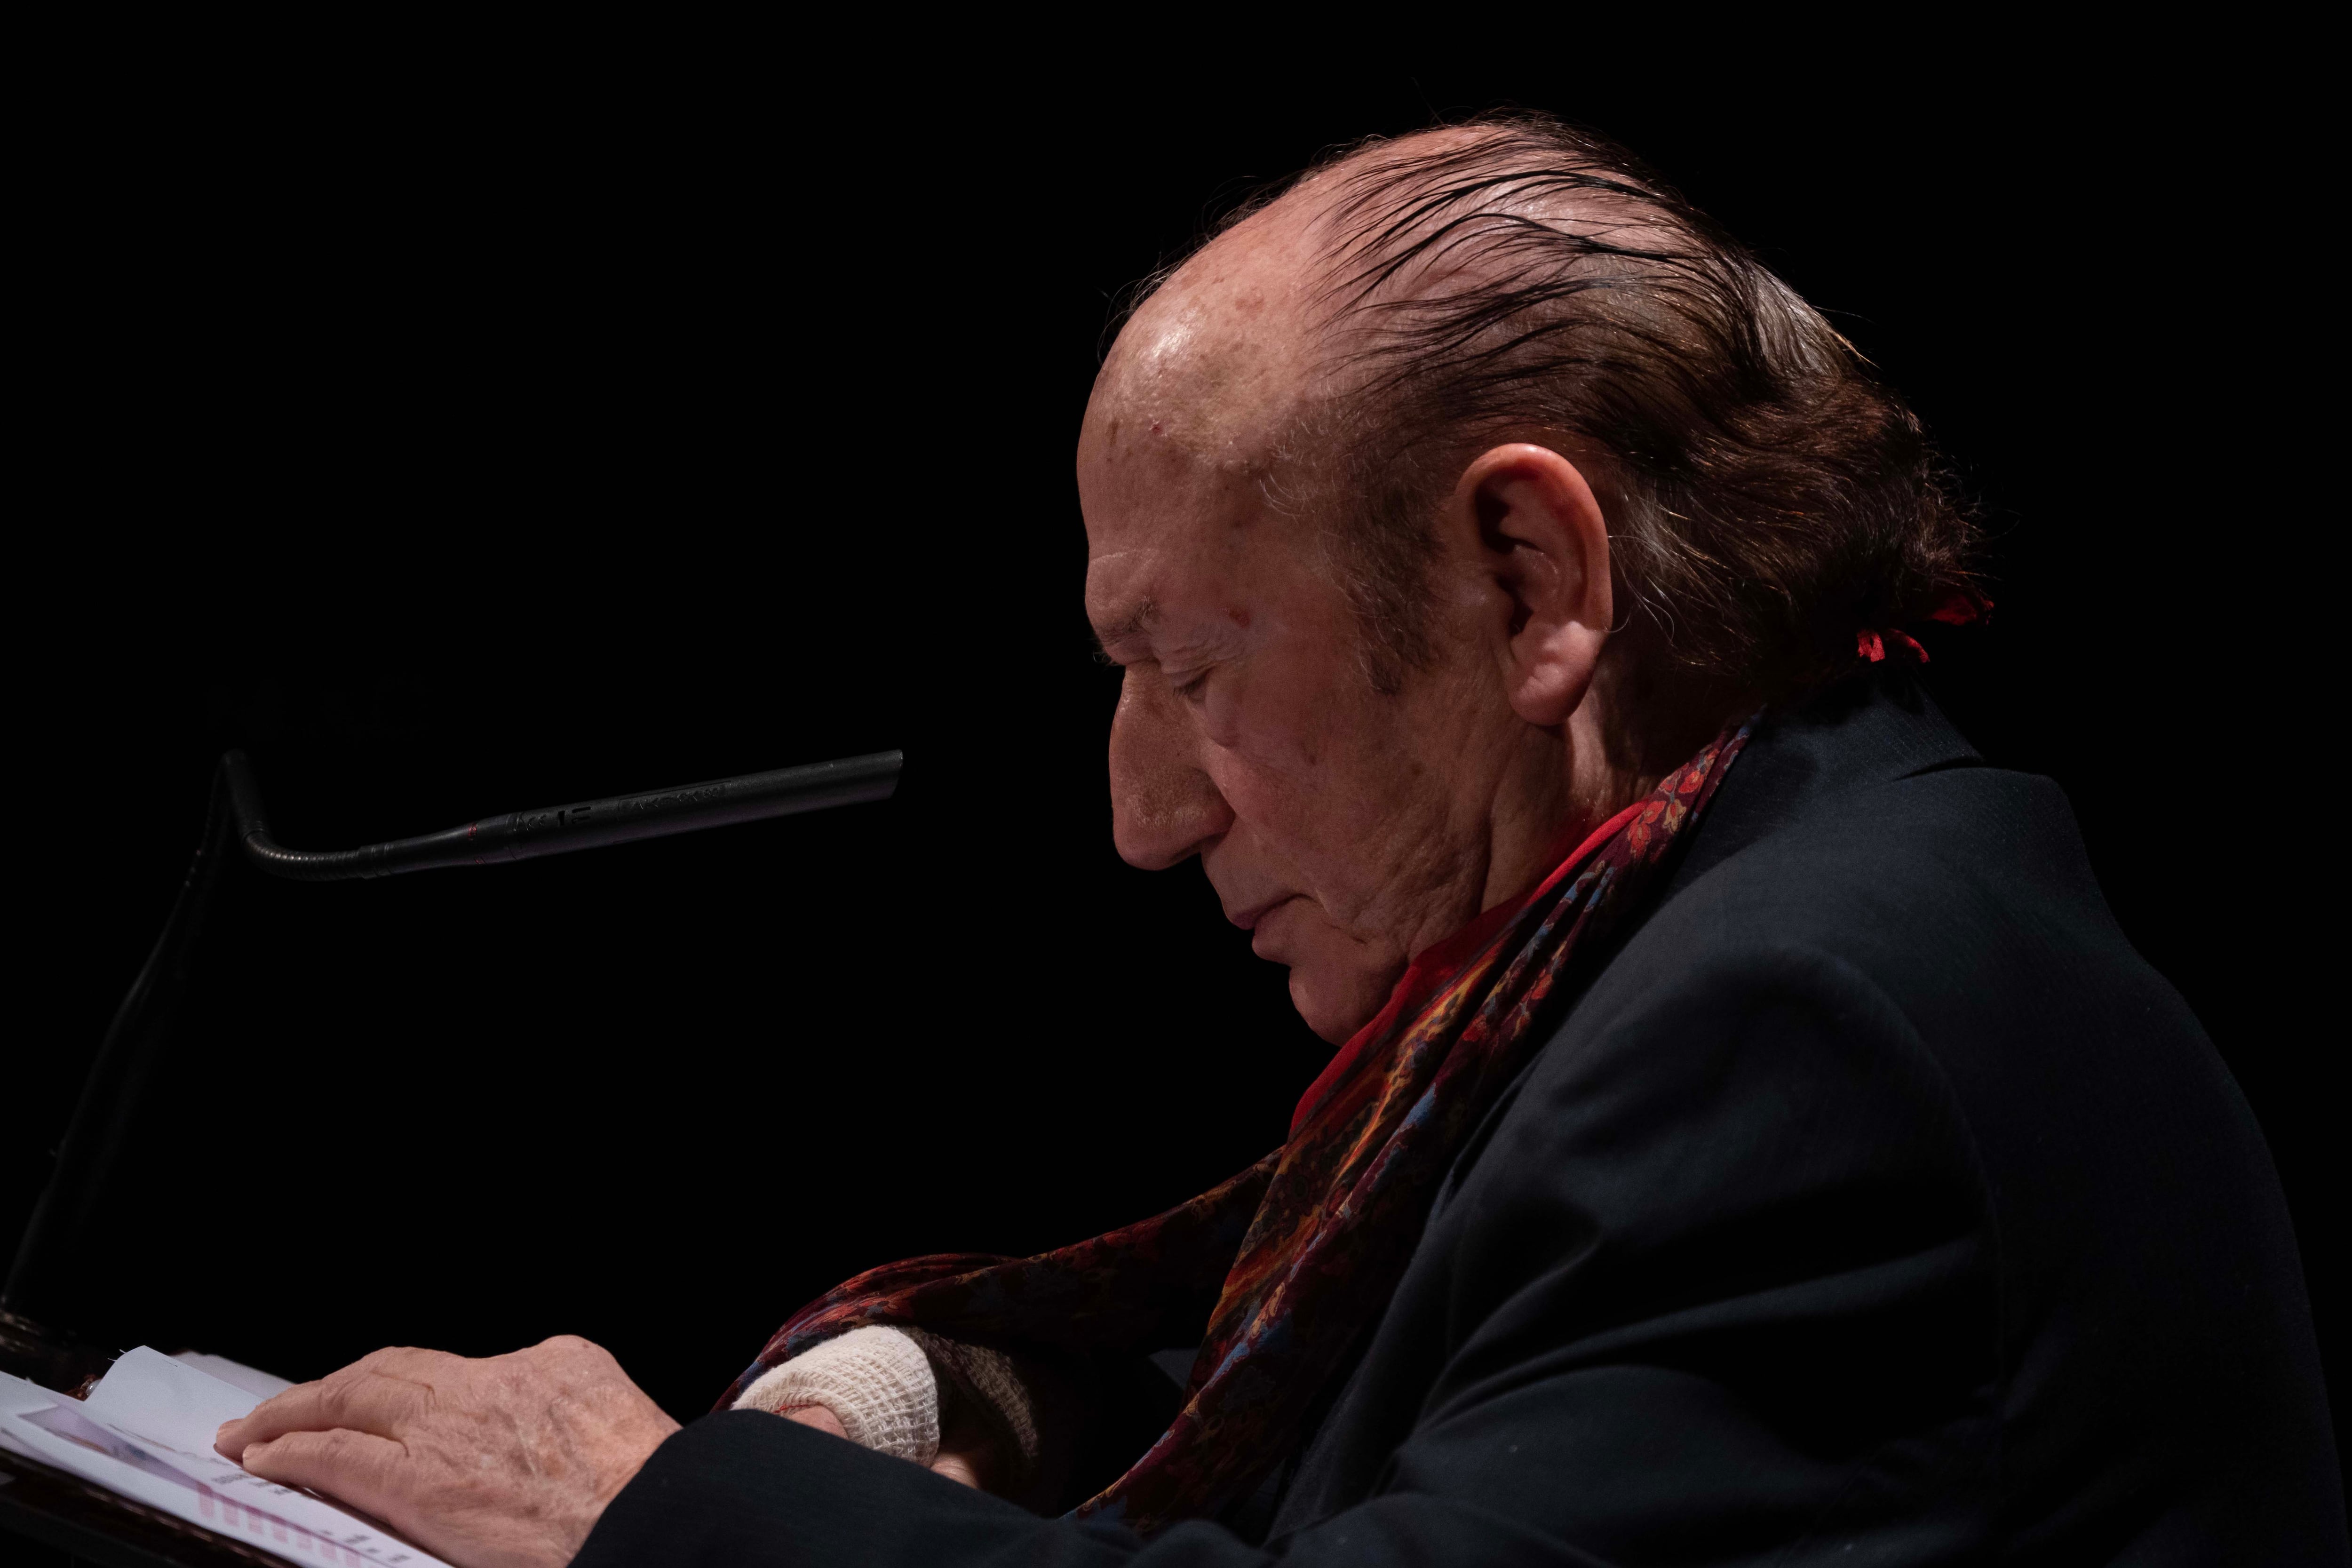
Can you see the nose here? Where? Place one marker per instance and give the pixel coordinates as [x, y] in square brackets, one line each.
[1164, 807]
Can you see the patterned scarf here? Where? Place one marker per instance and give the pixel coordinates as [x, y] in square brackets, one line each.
[1309, 1242]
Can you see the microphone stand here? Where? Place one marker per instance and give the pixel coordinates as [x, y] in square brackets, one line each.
[37, 1308]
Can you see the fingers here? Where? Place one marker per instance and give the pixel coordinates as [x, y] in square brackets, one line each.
[375, 1393]
[970, 1448]
[300, 1408]
[235, 1436]
[820, 1417]
[956, 1468]
[358, 1468]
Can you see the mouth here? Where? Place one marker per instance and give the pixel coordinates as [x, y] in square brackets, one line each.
[1248, 918]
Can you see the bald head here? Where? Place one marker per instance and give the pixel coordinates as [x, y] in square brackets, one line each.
[1239, 350]
[1219, 361]
[1346, 348]
[1229, 393]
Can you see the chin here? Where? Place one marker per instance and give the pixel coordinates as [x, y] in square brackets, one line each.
[1335, 1006]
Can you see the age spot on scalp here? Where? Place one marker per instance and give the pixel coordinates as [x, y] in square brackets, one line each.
[1238, 615]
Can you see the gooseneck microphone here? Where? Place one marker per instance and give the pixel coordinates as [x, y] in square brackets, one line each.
[45, 1302]
[525, 835]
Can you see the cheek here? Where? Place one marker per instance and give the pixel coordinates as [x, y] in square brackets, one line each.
[1325, 835]
[1272, 801]
[1281, 716]
[1304, 763]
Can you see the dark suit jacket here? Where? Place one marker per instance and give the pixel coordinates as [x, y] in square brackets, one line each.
[1876, 1204]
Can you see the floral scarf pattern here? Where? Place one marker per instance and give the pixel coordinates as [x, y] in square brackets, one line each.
[1305, 1248]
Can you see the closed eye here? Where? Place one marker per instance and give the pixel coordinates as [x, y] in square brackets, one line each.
[1191, 689]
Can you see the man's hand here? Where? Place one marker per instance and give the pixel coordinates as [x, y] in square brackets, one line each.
[502, 1463]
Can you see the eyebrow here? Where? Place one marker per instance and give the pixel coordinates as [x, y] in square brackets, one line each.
[1135, 625]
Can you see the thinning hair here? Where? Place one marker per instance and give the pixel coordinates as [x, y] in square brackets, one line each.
[1518, 279]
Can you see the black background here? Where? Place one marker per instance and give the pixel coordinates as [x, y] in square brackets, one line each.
[460, 440]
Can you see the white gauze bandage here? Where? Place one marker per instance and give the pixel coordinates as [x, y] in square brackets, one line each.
[877, 1380]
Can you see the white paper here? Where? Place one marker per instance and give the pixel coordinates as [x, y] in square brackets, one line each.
[150, 1394]
[261, 1385]
[146, 1432]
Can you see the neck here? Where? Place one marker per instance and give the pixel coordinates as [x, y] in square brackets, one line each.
[1587, 791]
[1633, 728]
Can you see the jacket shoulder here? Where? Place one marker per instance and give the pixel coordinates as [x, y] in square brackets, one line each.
[1963, 894]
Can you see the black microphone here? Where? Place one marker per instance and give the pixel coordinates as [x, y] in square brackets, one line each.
[41, 1305]
[526, 835]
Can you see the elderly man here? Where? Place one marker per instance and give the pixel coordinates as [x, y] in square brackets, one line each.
[1750, 1139]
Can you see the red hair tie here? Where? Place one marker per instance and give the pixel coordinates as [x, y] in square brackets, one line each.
[1962, 608]
[1872, 646]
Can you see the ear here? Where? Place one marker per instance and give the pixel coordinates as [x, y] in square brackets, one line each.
[1541, 550]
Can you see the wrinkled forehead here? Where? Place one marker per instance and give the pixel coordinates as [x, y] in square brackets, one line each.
[1183, 437]
[1166, 532]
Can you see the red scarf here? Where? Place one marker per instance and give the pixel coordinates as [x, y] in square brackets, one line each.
[1310, 1241]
